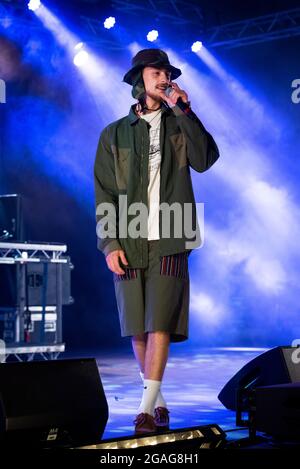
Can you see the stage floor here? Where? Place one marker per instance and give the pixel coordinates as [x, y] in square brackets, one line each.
[192, 381]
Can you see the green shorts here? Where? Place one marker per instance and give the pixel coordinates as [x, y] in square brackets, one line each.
[155, 298]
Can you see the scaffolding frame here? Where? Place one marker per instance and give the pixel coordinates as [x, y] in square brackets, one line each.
[21, 254]
[270, 27]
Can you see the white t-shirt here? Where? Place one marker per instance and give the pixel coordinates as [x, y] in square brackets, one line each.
[154, 120]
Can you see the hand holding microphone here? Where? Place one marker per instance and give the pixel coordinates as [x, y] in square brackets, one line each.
[174, 95]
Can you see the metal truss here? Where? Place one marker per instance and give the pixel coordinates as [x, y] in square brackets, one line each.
[94, 35]
[179, 12]
[26, 353]
[12, 253]
[265, 28]
[184, 14]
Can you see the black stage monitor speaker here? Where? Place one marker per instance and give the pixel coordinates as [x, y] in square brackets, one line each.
[276, 366]
[52, 403]
[277, 410]
[41, 283]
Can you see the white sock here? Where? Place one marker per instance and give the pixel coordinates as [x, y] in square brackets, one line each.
[150, 392]
[160, 401]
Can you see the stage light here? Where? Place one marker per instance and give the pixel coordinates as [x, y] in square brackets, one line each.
[79, 46]
[196, 46]
[34, 5]
[81, 58]
[152, 35]
[207, 436]
[109, 22]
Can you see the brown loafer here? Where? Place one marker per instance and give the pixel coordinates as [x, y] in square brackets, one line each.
[144, 423]
[161, 418]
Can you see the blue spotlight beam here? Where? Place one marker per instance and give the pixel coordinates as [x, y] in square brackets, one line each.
[254, 30]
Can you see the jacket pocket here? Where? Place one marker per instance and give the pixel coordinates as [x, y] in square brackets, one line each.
[121, 160]
[178, 143]
[175, 265]
[130, 274]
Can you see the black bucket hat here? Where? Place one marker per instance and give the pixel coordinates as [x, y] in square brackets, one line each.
[149, 58]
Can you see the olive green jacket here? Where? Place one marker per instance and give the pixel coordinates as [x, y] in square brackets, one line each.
[121, 168]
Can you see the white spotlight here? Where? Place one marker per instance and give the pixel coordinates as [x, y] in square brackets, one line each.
[109, 22]
[152, 35]
[81, 58]
[34, 4]
[79, 46]
[196, 46]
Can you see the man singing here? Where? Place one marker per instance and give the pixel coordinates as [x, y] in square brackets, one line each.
[143, 161]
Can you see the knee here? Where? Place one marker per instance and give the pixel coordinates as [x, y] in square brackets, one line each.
[160, 335]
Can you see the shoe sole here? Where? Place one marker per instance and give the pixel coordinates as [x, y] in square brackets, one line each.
[163, 429]
[145, 432]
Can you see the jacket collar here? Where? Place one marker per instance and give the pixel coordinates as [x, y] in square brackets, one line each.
[133, 118]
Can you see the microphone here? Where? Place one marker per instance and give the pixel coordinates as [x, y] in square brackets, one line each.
[185, 107]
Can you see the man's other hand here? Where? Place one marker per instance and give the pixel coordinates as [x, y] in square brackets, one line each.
[113, 263]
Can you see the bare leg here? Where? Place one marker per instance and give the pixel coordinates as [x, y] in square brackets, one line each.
[139, 348]
[156, 357]
[151, 352]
